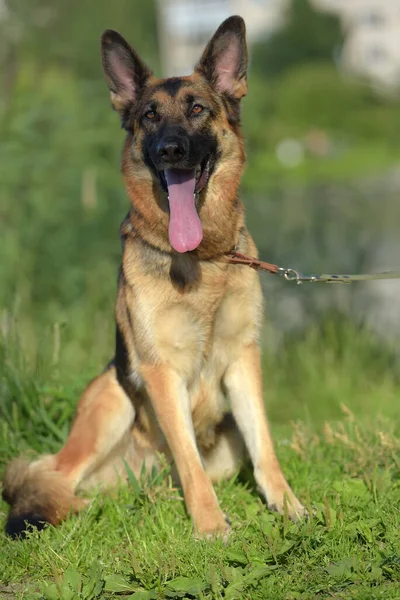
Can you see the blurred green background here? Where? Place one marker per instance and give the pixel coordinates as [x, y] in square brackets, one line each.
[321, 193]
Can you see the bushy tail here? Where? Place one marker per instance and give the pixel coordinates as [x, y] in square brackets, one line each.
[37, 494]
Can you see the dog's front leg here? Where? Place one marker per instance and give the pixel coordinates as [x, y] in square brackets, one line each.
[170, 399]
[244, 384]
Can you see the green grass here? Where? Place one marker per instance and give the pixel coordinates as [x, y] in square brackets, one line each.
[332, 397]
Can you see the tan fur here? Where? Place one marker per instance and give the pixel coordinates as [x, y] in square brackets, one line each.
[189, 325]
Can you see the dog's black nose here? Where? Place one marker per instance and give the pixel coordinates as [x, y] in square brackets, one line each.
[171, 150]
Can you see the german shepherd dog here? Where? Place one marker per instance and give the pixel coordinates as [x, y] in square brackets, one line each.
[187, 321]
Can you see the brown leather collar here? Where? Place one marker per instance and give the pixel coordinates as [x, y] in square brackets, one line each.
[240, 259]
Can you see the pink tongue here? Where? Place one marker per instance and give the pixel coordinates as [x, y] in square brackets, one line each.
[185, 231]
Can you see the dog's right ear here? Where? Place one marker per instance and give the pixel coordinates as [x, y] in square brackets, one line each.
[125, 72]
[224, 61]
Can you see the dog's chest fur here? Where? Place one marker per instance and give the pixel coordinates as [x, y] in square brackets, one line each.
[193, 315]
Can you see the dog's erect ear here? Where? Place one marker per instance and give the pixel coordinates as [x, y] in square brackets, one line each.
[224, 61]
[125, 72]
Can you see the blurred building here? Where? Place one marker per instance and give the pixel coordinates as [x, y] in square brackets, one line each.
[372, 34]
[372, 31]
[185, 26]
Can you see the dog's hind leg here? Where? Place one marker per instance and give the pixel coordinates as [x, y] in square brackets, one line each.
[44, 491]
[105, 414]
[225, 457]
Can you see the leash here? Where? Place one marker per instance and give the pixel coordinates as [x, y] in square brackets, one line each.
[293, 275]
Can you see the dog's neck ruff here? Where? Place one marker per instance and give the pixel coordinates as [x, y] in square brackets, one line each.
[128, 230]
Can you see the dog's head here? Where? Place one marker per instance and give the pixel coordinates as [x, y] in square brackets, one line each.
[183, 132]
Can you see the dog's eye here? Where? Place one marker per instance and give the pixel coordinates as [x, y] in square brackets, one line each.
[197, 109]
[150, 114]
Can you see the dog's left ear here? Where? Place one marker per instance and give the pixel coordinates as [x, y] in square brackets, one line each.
[224, 61]
[125, 72]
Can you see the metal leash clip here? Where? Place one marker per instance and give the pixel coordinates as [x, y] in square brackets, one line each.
[289, 274]
[293, 275]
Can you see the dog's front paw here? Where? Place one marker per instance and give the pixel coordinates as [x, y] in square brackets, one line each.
[216, 529]
[285, 501]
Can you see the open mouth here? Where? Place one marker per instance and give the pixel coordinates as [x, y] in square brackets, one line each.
[182, 186]
[202, 175]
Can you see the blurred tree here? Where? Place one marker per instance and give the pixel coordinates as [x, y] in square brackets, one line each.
[308, 35]
[66, 34]
[62, 198]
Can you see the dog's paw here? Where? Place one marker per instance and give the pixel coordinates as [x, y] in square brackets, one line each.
[219, 530]
[286, 502]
